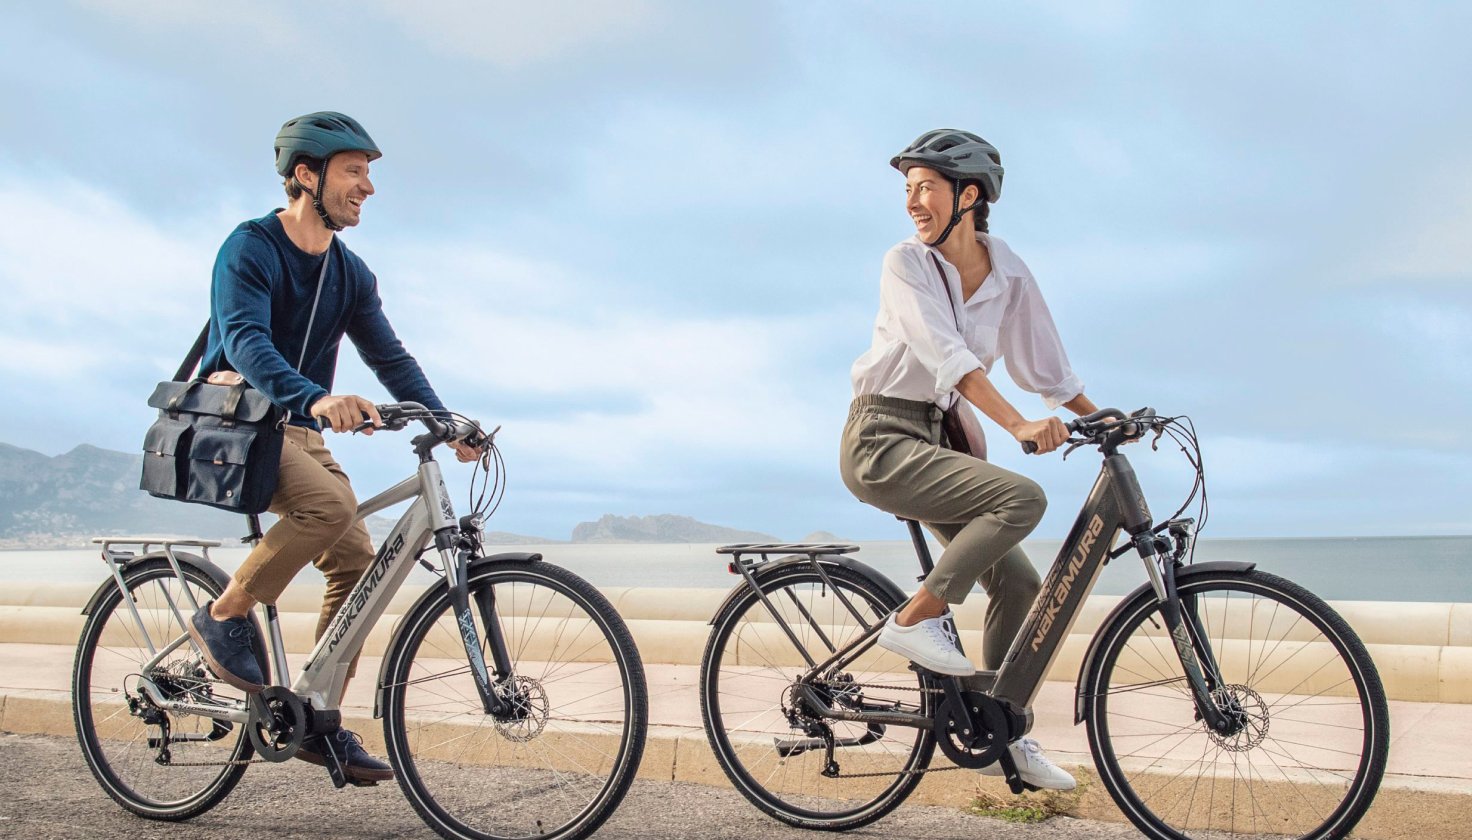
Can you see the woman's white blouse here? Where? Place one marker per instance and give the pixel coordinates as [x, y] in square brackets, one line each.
[919, 354]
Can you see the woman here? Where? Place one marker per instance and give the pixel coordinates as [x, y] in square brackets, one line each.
[952, 301]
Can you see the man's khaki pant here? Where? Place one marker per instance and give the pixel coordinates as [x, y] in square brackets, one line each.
[318, 524]
[892, 458]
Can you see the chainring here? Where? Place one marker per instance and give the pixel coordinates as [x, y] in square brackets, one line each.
[278, 723]
[974, 736]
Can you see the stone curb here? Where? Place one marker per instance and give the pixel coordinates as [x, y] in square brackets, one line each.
[1421, 807]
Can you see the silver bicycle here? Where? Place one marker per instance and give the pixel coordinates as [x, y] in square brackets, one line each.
[512, 696]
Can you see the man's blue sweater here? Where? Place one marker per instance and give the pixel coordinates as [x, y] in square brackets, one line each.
[261, 301]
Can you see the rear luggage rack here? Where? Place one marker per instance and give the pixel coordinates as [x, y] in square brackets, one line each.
[766, 549]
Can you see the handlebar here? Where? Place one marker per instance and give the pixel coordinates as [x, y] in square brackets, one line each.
[1108, 427]
[397, 416]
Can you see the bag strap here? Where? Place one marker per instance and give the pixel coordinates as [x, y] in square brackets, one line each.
[947, 281]
[186, 370]
[196, 352]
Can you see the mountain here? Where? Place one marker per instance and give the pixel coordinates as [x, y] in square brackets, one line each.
[65, 501]
[664, 528]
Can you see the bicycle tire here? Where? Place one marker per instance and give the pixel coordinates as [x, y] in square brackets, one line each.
[744, 717]
[1318, 730]
[114, 739]
[558, 774]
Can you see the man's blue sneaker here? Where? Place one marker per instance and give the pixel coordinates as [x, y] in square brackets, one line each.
[229, 648]
[357, 764]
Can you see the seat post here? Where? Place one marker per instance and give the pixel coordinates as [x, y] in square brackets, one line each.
[922, 550]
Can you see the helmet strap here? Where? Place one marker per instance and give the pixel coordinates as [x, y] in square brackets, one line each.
[322, 211]
[956, 214]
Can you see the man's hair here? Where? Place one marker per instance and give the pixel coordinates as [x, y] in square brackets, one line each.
[294, 188]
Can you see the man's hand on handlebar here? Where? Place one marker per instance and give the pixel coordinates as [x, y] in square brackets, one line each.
[464, 452]
[1047, 434]
[346, 413]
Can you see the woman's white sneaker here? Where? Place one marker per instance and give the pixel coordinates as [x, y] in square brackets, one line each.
[929, 644]
[1034, 767]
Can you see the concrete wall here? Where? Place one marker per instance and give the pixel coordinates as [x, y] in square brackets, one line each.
[1423, 650]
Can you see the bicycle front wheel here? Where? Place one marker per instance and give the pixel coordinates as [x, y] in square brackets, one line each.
[1310, 757]
[755, 716]
[558, 766]
[157, 764]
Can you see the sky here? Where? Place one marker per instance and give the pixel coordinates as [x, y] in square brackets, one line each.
[645, 237]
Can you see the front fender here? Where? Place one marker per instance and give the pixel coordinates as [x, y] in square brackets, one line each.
[783, 564]
[1184, 573]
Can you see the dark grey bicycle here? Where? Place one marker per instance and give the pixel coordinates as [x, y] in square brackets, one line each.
[1220, 700]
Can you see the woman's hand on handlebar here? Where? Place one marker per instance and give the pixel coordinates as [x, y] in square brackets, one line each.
[346, 413]
[1046, 435]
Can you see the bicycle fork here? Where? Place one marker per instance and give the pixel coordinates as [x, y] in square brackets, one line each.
[1183, 624]
[456, 563]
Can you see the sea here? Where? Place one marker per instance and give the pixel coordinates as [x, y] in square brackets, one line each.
[1336, 568]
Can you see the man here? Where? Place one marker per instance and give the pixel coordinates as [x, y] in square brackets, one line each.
[285, 292]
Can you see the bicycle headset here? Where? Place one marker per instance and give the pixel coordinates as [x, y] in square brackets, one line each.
[960, 156]
[320, 135]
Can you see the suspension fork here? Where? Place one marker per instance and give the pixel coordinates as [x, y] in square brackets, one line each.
[1188, 636]
[457, 563]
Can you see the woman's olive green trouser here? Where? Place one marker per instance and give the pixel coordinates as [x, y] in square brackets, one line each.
[893, 459]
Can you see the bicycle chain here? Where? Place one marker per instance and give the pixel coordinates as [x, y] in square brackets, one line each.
[920, 772]
[239, 762]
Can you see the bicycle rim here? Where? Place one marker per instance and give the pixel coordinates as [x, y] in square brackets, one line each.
[749, 706]
[115, 739]
[560, 770]
[1310, 759]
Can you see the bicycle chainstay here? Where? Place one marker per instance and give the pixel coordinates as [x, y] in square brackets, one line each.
[922, 771]
[211, 681]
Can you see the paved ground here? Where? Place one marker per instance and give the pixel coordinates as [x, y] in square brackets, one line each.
[46, 791]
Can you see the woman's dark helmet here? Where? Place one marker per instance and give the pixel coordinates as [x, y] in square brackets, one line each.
[960, 156]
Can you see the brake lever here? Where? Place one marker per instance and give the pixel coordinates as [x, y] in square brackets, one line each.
[1077, 442]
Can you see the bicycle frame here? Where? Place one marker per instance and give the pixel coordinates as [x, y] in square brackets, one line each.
[1116, 503]
[431, 518]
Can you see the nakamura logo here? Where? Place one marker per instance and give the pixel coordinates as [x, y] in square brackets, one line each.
[1065, 584]
[359, 597]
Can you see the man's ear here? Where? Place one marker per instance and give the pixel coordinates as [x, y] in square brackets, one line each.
[306, 177]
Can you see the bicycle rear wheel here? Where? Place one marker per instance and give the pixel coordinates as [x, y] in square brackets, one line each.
[1312, 753]
[120, 731]
[749, 706]
[558, 768]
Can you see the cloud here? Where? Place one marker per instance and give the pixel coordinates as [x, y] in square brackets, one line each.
[516, 35]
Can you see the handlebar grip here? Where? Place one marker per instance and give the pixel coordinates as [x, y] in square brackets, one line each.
[1028, 447]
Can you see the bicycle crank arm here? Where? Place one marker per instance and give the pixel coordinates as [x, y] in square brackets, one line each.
[797, 746]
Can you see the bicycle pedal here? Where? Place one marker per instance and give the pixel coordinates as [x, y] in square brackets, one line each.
[362, 782]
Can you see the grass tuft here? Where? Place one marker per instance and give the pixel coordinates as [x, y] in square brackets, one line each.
[1032, 806]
